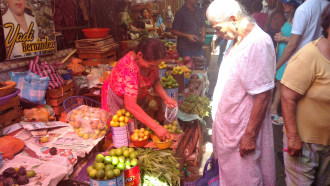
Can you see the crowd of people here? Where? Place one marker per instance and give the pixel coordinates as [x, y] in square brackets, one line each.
[285, 60]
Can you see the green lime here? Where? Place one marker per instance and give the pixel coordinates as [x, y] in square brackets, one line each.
[107, 160]
[100, 174]
[94, 164]
[124, 147]
[31, 173]
[99, 166]
[126, 153]
[133, 155]
[109, 167]
[89, 168]
[109, 174]
[121, 166]
[128, 161]
[115, 160]
[112, 152]
[119, 152]
[92, 173]
[116, 172]
[128, 167]
[130, 150]
[121, 159]
[99, 158]
[134, 162]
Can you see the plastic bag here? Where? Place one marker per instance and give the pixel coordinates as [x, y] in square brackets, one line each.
[76, 67]
[88, 121]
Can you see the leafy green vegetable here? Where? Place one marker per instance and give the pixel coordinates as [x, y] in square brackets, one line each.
[158, 167]
[198, 105]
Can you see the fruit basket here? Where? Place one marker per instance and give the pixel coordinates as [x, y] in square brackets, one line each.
[7, 88]
[6, 98]
[140, 143]
[76, 101]
[96, 32]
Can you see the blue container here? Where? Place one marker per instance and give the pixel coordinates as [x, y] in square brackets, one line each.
[67, 76]
[119, 181]
[173, 93]
[162, 73]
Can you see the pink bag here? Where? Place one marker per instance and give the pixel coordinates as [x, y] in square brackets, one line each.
[47, 70]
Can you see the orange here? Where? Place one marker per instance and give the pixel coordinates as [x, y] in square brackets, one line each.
[112, 123]
[116, 124]
[136, 131]
[135, 138]
[123, 111]
[121, 124]
[145, 137]
[146, 133]
[128, 114]
[115, 118]
[142, 129]
[119, 113]
[140, 139]
[141, 134]
[126, 119]
[121, 118]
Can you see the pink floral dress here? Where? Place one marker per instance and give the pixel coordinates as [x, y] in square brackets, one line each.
[247, 69]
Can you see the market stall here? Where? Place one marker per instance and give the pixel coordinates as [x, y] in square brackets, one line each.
[54, 129]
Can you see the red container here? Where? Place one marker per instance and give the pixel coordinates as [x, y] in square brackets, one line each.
[96, 32]
[140, 143]
[132, 176]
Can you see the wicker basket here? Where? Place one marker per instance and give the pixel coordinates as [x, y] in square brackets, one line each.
[7, 88]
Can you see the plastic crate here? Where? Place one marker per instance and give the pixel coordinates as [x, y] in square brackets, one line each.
[76, 101]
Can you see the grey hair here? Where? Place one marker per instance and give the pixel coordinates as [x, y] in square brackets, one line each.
[222, 10]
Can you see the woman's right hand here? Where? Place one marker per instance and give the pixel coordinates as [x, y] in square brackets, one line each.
[278, 37]
[192, 38]
[162, 133]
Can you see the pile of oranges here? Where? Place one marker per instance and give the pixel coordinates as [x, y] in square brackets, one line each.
[121, 118]
[140, 134]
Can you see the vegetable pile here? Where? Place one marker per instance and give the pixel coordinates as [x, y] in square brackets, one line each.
[12, 176]
[198, 105]
[158, 167]
[169, 82]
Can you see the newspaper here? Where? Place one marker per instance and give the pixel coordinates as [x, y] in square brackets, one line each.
[30, 126]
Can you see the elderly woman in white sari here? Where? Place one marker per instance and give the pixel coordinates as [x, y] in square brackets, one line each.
[242, 129]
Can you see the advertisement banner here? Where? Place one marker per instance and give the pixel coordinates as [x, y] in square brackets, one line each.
[28, 28]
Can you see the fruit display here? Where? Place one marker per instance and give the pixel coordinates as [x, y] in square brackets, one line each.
[169, 44]
[140, 134]
[177, 70]
[112, 165]
[199, 62]
[15, 175]
[88, 121]
[121, 118]
[173, 127]
[162, 65]
[169, 82]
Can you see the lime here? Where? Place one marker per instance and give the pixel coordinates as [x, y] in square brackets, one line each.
[121, 159]
[112, 152]
[130, 150]
[30, 173]
[121, 166]
[100, 174]
[99, 166]
[115, 160]
[94, 164]
[89, 168]
[99, 158]
[92, 173]
[124, 147]
[126, 153]
[128, 167]
[109, 174]
[133, 155]
[128, 161]
[134, 162]
[116, 172]
[107, 160]
[109, 167]
[119, 152]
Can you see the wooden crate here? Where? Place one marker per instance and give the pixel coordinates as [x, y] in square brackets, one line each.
[59, 92]
[93, 59]
[58, 101]
[10, 112]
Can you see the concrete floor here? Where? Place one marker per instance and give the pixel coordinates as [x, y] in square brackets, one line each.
[207, 130]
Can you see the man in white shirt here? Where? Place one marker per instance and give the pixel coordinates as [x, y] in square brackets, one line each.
[305, 28]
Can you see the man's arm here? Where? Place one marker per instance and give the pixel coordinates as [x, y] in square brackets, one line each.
[190, 37]
[289, 99]
[247, 143]
[203, 33]
[288, 50]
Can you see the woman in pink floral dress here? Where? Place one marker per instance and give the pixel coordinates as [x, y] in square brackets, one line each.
[242, 132]
[130, 80]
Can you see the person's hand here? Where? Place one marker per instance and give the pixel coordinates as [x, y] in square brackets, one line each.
[192, 38]
[278, 37]
[247, 144]
[162, 133]
[170, 102]
[294, 145]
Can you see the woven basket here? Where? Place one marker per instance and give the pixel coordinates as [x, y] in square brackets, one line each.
[7, 88]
